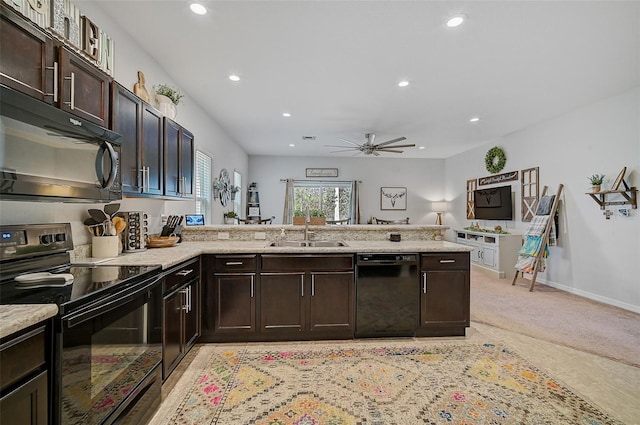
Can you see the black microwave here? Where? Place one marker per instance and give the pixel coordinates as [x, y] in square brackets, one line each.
[47, 154]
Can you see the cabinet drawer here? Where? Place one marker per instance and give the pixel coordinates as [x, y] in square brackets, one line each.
[21, 356]
[181, 274]
[231, 263]
[312, 262]
[26, 404]
[445, 261]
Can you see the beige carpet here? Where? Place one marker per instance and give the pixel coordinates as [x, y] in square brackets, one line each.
[371, 382]
[556, 316]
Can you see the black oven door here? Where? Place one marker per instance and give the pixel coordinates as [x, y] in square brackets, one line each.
[110, 352]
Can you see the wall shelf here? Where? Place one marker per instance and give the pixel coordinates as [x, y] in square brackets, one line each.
[630, 196]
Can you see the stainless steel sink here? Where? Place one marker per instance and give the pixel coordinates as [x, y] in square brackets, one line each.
[307, 243]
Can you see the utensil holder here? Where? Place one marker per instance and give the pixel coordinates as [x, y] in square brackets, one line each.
[104, 246]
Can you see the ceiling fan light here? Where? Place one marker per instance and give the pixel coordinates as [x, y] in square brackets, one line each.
[456, 21]
[198, 9]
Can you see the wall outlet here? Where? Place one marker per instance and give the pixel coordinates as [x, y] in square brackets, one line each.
[223, 235]
[260, 235]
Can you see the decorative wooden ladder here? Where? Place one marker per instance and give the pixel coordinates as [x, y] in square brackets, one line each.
[545, 239]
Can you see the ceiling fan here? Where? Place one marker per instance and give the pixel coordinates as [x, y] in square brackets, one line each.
[369, 148]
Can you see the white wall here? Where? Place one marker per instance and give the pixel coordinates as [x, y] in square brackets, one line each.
[209, 137]
[423, 179]
[597, 258]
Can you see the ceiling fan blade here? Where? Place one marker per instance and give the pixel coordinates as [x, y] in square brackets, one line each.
[349, 141]
[343, 146]
[346, 150]
[396, 146]
[375, 153]
[388, 142]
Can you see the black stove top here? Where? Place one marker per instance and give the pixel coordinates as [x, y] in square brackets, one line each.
[89, 283]
[43, 249]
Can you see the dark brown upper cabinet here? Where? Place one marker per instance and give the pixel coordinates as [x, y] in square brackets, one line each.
[178, 148]
[141, 128]
[36, 64]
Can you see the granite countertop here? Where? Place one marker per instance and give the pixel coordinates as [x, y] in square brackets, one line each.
[169, 257]
[14, 318]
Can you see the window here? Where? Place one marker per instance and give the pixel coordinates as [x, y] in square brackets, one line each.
[203, 185]
[333, 198]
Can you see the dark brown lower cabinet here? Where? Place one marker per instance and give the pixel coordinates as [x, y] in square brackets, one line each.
[307, 296]
[181, 314]
[444, 294]
[24, 378]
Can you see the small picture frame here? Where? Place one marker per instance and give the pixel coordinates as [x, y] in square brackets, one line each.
[393, 198]
[321, 172]
[616, 184]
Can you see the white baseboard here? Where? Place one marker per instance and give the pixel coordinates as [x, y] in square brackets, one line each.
[586, 294]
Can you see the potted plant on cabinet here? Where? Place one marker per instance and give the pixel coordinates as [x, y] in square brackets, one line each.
[230, 217]
[167, 98]
[596, 182]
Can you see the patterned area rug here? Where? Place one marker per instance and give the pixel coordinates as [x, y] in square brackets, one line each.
[323, 384]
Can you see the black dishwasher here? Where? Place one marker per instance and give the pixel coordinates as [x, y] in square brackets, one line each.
[387, 295]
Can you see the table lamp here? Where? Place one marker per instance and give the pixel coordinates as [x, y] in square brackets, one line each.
[439, 208]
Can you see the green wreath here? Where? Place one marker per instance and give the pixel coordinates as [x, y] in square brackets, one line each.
[495, 160]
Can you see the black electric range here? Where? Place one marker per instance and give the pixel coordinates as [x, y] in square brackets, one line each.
[36, 269]
[107, 336]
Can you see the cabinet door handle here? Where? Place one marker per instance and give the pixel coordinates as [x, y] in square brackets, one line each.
[185, 302]
[184, 272]
[55, 81]
[183, 190]
[233, 263]
[251, 286]
[424, 283]
[302, 285]
[72, 91]
[447, 261]
[148, 186]
[143, 170]
[313, 285]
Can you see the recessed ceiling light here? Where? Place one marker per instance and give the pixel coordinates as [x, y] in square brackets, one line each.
[234, 77]
[403, 84]
[198, 9]
[474, 119]
[292, 145]
[286, 114]
[421, 147]
[456, 21]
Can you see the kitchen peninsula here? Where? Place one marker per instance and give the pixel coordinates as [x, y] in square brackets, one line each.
[249, 287]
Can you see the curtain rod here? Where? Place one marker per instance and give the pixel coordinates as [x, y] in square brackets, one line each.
[332, 181]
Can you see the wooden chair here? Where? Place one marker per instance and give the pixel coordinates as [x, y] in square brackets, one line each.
[381, 221]
[339, 222]
[545, 239]
[261, 221]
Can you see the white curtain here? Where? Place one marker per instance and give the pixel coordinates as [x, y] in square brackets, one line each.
[287, 214]
[355, 202]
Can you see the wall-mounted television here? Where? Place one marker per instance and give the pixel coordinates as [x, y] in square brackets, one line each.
[493, 203]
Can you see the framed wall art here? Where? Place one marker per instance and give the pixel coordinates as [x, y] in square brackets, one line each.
[393, 198]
